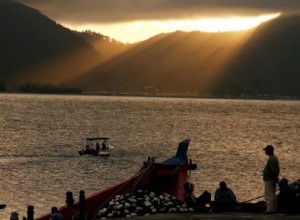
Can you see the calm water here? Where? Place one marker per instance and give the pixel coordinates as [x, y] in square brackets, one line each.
[40, 137]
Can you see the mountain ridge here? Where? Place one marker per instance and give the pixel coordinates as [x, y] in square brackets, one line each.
[255, 63]
[36, 49]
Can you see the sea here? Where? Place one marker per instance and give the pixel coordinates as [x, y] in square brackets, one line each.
[40, 136]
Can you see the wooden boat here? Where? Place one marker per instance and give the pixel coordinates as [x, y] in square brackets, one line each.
[93, 147]
[166, 177]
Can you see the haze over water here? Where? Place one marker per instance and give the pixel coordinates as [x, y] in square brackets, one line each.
[41, 135]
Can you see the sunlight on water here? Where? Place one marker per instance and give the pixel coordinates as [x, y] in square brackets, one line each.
[41, 136]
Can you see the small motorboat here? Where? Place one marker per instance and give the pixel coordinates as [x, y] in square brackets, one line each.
[96, 146]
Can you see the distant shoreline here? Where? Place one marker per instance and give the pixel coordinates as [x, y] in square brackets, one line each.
[158, 95]
[180, 95]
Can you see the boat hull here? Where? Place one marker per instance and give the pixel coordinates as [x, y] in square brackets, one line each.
[166, 177]
[103, 153]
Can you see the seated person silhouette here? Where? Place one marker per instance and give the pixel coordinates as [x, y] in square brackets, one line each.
[199, 204]
[225, 199]
[286, 199]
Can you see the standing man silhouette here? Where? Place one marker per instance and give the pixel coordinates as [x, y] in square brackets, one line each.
[270, 177]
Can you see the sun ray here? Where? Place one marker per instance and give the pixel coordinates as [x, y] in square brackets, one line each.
[140, 30]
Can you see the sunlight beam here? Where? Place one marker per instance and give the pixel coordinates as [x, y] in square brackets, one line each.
[129, 32]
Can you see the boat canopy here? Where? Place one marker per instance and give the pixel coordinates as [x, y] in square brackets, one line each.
[96, 138]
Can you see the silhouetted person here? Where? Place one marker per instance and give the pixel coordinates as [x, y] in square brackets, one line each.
[200, 203]
[14, 216]
[286, 199]
[270, 177]
[87, 149]
[104, 147]
[55, 215]
[97, 146]
[225, 199]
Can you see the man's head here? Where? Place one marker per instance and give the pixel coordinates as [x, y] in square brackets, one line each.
[189, 187]
[54, 210]
[223, 185]
[283, 183]
[269, 149]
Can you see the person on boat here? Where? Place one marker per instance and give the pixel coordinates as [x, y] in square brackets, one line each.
[90, 144]
[201, 203]
[55, 215]
[87, 149]
[270, 178]
[225, 199]
[97, 147]
[14, 216]
[104, 147]
[286, 199]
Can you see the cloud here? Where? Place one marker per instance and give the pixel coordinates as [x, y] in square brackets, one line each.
[110, 11]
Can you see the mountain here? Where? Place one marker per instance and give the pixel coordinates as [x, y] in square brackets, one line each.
[36, 49]
[260, 62]
[269, 63]
[263, 61]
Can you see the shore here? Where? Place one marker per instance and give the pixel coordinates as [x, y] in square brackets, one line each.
[211, 216]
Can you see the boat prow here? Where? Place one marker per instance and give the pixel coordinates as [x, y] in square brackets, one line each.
[165, 177]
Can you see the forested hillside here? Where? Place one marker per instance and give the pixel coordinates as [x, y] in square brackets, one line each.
[35, 49]
[269, 63]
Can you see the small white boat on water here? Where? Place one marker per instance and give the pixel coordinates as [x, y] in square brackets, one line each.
[96, 146]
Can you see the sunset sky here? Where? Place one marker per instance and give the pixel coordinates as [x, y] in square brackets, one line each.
[136, 20]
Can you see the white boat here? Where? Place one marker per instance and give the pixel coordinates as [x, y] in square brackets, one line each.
[96, 146]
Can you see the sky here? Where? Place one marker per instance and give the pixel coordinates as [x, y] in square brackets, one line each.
[135, 20]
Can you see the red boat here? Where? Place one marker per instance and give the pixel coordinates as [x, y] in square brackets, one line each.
[166, 177]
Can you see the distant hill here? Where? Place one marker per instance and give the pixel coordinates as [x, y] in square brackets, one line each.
[269, 64]
[261, 62]
[36, 49]
[106, 46]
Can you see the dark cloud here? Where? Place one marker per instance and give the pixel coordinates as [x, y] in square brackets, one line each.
[101, 11]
